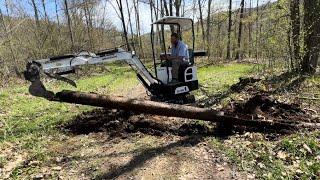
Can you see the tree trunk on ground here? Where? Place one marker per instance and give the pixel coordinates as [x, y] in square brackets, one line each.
[239, 50]
[171, 110]
[229, 31]
[312, 36]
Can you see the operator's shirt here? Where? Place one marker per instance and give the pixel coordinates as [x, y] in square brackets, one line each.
[180, 49]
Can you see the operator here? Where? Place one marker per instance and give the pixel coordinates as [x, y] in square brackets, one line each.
[179, 55]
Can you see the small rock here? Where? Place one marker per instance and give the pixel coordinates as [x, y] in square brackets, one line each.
[59, 159]
[33, 163]
[57, 168]
[220, 168]
[251, 176]
[38, 176]
[299, 171]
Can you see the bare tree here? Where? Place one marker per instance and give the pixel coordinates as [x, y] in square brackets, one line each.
[239, 51]
[8, 31]
[137, 14]
[131, 30]
[209, 27]
[44, 10]
[229, 30]
[177, 5]
[36, 15]
[69, 24]
[201, 20]
[125, 34]
[250, 29]
[57, 14]
[295, 29]
[257, 31]
[312, 36]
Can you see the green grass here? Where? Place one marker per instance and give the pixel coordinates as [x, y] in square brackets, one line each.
[220, 77]
[28, 123]
[293, 157]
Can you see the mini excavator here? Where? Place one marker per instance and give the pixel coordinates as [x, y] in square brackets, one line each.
[156, 83]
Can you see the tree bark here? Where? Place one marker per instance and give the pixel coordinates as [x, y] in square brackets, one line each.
[88, 19]
[209, 27]
[295, 30]
[165, 5]
[8, 31]
[69, 24]
[201, 21]
[229, 31]
[170, 7]
[57, 14]
[239, 50]
[136, 9]
[36, 15]
[250, 30]
[125, 34]
[44, 10]
[177, 5]
[131, 30]
[257, 32]
[312, 36]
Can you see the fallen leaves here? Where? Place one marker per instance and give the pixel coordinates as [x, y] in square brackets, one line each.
[306, 147]
[282, 155]
[17, 161]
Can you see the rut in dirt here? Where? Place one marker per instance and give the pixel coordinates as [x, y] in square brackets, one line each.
[122, 123]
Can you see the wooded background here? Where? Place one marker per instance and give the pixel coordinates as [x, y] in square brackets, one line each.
[282, 33]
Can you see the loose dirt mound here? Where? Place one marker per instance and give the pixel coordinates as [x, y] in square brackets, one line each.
[265, 107]
[121, 123]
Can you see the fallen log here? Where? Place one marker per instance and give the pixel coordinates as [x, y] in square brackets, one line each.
[171, 110]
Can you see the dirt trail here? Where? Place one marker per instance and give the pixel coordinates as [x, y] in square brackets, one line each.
[139, 156]
[110, 144]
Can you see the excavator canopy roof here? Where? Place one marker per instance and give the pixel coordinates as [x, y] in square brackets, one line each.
[183, 22]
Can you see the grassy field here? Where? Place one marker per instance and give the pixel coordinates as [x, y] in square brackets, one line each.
[28, 125]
